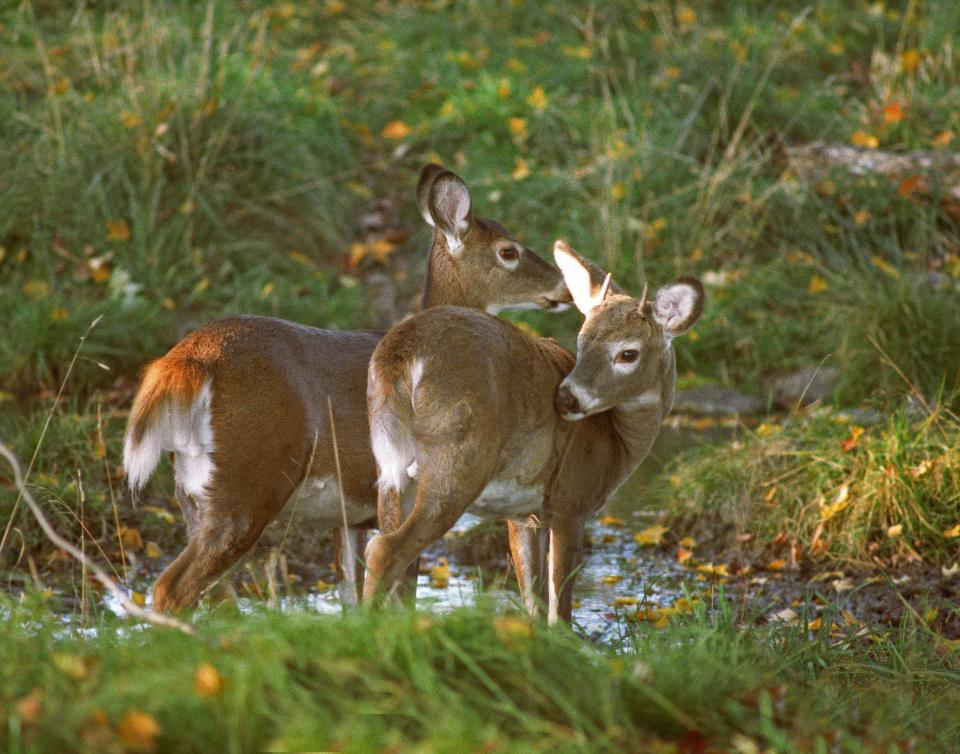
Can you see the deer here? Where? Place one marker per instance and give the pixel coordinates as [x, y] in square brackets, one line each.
[469, 413]
[241, 404]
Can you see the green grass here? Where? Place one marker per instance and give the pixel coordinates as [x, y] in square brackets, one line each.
[470, 681]
[832, 487]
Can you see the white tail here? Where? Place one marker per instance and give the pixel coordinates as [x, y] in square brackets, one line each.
[242, 403]
[511, 426]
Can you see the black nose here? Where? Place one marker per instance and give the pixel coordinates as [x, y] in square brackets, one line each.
[566, 402]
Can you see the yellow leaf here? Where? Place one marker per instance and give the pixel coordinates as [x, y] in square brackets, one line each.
[518, 127]
[118, 230]
[162, 513]
[395, 129]
[440, 574]
[520, 170]
[611, 580]
[207, 680]
[671, 72]
[652, 535]
[829, 511]
[130, 120]
[895, 531]
[776, 565]
[930, 615]
[612, 521]
[910, 61]
[815, 624]
[617, 191]
[503, 88]
[686, 16]
[130, 538]
[138, 730]
[537, 99]
[711, 569]
[817, 284]
[624, 601]
[36, 289]
[152, 550]
[138, 599]
[952, 532]
[862, 217]
[863, 139]
[582, 52]
[381, 250]
[323, 586]
[358, 251]
[683, 555]
[687, 542]
[884, 266]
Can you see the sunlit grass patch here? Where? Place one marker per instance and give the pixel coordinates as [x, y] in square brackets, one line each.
[877, 495]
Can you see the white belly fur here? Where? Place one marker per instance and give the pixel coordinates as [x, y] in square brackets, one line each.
[318, 500]
[506, 498]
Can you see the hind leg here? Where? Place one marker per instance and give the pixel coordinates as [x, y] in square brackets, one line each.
[349, 544]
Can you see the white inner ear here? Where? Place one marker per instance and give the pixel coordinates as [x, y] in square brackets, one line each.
[577, 277]
[452, 201]
[673, 308]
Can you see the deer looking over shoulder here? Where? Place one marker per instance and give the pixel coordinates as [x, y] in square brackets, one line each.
[512, 426]
[241, 403]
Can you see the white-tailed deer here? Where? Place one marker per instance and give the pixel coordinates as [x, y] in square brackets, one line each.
[241, 404]
[505, 425]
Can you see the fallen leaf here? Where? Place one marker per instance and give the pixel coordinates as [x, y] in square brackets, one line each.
[652, 535]
[611, 579]
[138, 730]
[920, 469]
[908, 186]
[624, 601]
[683, 555]
[520, 170]
[152, 550]
[910, 61]
[30, 707]
[689, 542]
[952, 532]
[118, 230]
[893, 112]
[440, 574]
[162, 513]
[207, 680]
[76, 668]
[518, 127]
[130, 538]
[817, 284]
[612, 521]
[776, 565]
[950, 571]
[395, 129]
[815, 624]
[851, 442]
[864, 139]
[895, 531]
[884, 266]
[943, 138]
[787, 615]
[537, 99]
[511, 630]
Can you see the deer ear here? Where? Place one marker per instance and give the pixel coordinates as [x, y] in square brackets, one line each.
[587, 283]
[428, 174]
[448, 203]
[678, 305]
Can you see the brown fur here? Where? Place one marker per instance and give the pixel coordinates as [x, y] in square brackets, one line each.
[483, 411]
[270, 382]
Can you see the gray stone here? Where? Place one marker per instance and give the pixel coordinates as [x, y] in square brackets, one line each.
[715, 400]
[806, 386]
[864, 417]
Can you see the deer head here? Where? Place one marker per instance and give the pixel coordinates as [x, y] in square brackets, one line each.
[475, 259]
[623, 342]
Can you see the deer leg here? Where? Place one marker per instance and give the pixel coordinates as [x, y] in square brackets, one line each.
[390, 515]
[348, 545]
[563, 559]
[527, 545]
[390, 553]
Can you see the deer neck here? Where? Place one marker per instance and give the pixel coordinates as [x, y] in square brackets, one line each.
[443, 284]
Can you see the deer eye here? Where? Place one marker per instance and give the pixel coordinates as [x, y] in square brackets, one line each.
[509, 254]
[628, 356]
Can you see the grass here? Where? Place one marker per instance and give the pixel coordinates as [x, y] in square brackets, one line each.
[840, 492]
[464, 682]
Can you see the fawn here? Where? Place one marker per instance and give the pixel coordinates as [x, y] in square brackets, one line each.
[494, 421]
[241, 404]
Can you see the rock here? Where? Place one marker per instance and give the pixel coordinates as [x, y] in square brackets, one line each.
[864, 417]
[715, 400]
[806, 385]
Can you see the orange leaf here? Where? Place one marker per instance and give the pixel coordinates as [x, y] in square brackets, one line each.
[612, 521]
[138, 730]
[776, 565]
[817, 284]
[893, 112]
[908, 185]
[683, 555]
[118, 230]
[130, 538]
[851, 442]
[395, 129]
[943, 138]
[952, 532]
[207, 681]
